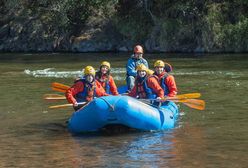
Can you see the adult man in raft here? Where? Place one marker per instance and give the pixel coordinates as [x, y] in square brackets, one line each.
[85, 89]
[132, 63]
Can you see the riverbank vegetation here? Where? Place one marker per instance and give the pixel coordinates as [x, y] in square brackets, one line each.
[116, 25]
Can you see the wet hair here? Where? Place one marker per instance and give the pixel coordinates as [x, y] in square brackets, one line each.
[99, 72]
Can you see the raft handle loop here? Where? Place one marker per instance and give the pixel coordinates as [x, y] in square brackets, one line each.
[112, 108]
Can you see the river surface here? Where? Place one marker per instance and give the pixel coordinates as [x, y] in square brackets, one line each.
[32, 135]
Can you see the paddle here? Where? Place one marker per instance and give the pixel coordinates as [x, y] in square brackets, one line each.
[193, 103]
[184, 96]
[187, 99]
[59, 90]
[121, 89]
[54, 97]
[181, 97]
[60, 86]
[65, 105]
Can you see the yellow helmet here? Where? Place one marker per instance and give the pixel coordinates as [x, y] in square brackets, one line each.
[141, 67]
[159, 63]
[150, 72]
[106, 63]
[89, 70]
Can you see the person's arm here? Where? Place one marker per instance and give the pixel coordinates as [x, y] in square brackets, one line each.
[171, 83]
[112, 85]
[153, 83]
[131, 69]
[72, 91]
[100, 90]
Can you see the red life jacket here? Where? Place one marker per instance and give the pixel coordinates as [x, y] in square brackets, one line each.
[104, 81]
[143, 91]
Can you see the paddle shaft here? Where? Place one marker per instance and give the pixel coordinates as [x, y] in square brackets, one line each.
[63, 88]
[54, 97]
[193, 103]
[65, 105]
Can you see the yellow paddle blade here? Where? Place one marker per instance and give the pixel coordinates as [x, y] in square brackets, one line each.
[60, 85]
[193, 103]
[59, 90]
[195, 106]
[184, 96]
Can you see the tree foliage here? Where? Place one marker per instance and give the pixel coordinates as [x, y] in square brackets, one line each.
[209, 24]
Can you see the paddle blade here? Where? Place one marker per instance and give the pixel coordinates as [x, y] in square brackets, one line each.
[54, 97]
[60, 86]
[195, 103]
[59, 90]
[194, 106]
[192, 103]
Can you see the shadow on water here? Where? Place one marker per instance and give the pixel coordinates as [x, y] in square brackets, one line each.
[133, 149]
[98, 149]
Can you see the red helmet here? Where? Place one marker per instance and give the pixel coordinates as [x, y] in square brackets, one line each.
[138, 49]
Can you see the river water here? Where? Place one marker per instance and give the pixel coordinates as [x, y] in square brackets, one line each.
[32, 135]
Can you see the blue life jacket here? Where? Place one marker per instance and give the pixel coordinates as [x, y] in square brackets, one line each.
[88, 87]
[107, 87]
[163, 85]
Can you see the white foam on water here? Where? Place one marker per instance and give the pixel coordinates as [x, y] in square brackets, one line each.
[52, 72]
[214, 73]
[119, 74]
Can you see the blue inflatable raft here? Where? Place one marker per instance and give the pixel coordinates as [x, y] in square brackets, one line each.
[123, 110]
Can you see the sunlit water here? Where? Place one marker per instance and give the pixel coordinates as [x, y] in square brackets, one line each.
[34, 136]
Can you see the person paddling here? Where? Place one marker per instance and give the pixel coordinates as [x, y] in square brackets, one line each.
[85, 89]
[166, 80]
[105, 79]
[132, 63]
[146, 86]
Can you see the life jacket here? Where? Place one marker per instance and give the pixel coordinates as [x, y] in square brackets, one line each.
[161, 81]
[106, 81]
[88, 93]
[143, 91]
